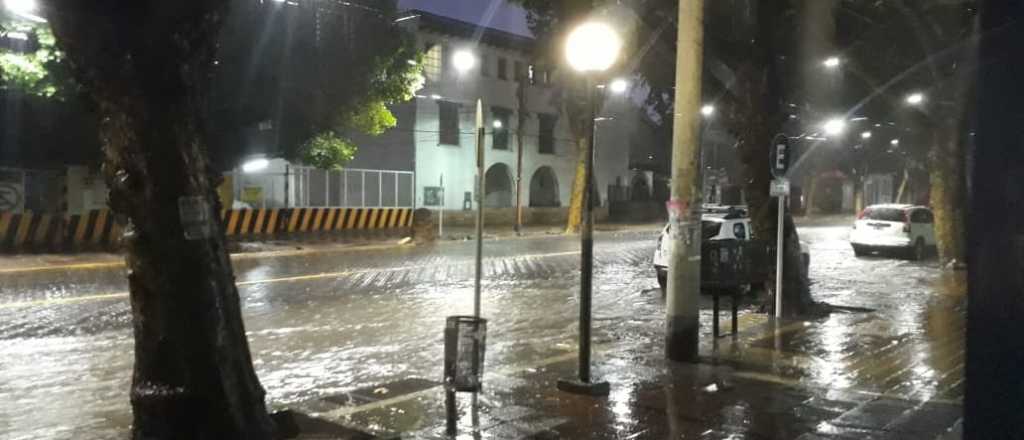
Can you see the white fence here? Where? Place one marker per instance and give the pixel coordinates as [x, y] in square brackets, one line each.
[300, 187]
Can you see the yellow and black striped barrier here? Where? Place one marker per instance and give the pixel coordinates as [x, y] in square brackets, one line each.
[246, 222]
[97, 229]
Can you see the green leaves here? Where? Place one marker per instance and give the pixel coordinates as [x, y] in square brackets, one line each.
[327, 150]
[38, 72]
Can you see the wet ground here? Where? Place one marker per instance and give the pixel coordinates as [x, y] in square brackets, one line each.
[338, 332]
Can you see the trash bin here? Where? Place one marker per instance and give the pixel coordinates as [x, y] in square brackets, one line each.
[465, 338]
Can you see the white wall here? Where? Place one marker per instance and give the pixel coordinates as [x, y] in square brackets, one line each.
[458, 163]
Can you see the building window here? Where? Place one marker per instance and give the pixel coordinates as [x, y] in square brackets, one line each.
[448, 123]
[432, 60]
[501, 118]
[485, 65]
[502, 68]
[546, 139]
[520, 73]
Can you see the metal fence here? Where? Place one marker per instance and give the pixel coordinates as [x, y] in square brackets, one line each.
[302, 187]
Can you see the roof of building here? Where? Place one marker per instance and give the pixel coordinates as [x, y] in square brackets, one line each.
[471, 31]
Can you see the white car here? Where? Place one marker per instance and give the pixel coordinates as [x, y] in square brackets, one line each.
[718, 225]
[908, 229]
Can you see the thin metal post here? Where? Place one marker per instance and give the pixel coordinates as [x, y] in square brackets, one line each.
[380, 188]
[396, 190]
[479, 207]
[287, 187]
[344, 182]
[362, 191]
[327, 188]
[778, 258]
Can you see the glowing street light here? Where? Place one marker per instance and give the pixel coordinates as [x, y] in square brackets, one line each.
[707, 110]
[255, 165]
[24, 8]
[831, 62]
[915, 98]
[894, 142]
[865, 135]
[834, 127]
[497, 124]
[592, 47]
[463, 60]
[619, 85]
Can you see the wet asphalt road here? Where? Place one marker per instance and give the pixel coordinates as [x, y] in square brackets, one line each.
[327, 322]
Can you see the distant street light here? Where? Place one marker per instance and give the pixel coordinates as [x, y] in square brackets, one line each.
[592, 47]
[865, 135]
[834, 127]
[894, 142]
[915, 98]
[497, 124]
[707, 110]
[619, 85]
[831, 62]
[463, 60]
[24, 8]
[255, 165]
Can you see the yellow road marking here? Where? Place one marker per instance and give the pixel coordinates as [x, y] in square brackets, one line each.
[106, 296]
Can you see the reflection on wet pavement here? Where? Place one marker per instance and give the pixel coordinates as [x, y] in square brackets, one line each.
[334, 324]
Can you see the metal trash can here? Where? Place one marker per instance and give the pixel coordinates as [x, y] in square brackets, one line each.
[465, 339]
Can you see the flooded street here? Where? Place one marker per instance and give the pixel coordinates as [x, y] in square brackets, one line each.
[327, 322]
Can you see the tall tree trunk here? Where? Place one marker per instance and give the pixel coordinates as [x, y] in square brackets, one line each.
[947, 179]
[147, 66]
[576, 198]
[759, 107]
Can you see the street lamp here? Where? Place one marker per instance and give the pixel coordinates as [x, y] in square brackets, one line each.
[24, 8]
[707, 110]
[865, 135]
[915, 98]
[831, 62]
[255, 165]
[463, 60]
[497, 124]
[894, 142]
[619, 85]
[834, 127]
[592, 48]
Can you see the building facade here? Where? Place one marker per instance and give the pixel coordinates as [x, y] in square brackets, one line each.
[436, 129]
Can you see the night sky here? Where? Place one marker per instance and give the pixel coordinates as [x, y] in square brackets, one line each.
[490, 13]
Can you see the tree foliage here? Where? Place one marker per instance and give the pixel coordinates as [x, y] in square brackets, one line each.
[316, 72]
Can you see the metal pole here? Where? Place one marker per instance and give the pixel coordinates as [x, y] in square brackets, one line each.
[479, 206]
[587, 240]
[327, 188]
[682, 321]
[778, 257]
[344, 183]
[380, 188]
[286, 186]
[395, 204]
[440, 223]
[362, 190]
[583, 384]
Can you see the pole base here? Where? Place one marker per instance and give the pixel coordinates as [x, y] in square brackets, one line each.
[575, 386]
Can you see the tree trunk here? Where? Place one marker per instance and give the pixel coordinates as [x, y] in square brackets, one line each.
[576, 198]
[947, 179]
[759, 104]
[147, 67]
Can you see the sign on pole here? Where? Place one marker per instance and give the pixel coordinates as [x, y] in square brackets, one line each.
[778, 157]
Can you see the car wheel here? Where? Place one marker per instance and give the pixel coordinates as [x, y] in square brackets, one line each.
[662, 279]
[917, 252]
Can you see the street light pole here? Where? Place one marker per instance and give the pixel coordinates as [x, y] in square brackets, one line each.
[591, 48]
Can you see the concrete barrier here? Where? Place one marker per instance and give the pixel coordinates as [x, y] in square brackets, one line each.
[99, 230]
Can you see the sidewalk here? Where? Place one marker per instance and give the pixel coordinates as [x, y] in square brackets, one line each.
[299, 245]
[758, 385]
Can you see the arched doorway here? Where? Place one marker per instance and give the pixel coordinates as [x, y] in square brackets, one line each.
[498, 186]
[544, 188]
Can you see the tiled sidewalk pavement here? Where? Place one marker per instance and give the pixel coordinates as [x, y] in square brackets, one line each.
[865, 383]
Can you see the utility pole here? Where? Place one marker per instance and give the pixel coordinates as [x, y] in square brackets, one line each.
[521, 117]
[684, 206]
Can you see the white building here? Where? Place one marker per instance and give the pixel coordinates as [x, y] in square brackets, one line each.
[435, 132]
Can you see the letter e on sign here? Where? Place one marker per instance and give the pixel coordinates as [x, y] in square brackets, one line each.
[779, 156]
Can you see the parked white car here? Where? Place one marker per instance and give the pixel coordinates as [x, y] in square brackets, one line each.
[907, 229]
[717, 225]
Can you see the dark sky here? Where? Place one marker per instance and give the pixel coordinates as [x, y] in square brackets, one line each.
[490, 13]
